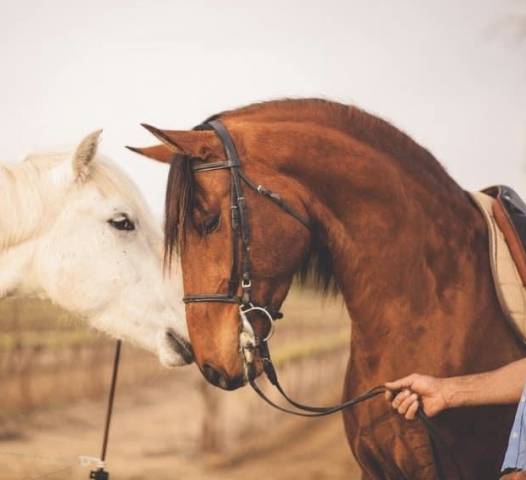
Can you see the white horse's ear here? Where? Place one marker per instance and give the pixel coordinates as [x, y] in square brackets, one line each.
[84, 155]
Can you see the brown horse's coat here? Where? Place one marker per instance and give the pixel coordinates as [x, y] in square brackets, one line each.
[408, 251]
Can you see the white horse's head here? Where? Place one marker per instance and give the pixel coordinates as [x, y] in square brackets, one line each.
[75, 229]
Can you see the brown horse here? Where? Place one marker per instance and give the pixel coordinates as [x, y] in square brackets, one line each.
[393, 232]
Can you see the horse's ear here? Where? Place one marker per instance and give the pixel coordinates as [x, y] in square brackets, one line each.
[160, 152]
[197, 143]
[84, 155]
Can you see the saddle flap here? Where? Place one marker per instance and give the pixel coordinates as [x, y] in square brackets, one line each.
[510, 285]
[509, 211]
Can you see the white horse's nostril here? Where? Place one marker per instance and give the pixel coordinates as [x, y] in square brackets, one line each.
[180, 345]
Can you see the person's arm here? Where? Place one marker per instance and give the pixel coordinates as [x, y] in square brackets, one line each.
[500, 386]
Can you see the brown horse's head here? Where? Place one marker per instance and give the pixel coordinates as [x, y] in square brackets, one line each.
[198, 226]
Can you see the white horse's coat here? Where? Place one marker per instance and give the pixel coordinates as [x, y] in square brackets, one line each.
[75, 229]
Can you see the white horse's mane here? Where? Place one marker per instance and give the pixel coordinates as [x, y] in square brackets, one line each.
[33, 188]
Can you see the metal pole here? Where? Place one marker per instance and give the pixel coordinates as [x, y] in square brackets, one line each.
[100, 473]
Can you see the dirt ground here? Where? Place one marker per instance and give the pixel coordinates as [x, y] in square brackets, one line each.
[153, 437]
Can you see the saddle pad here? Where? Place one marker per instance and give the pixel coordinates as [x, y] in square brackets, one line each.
[510, 214]
[510, 289]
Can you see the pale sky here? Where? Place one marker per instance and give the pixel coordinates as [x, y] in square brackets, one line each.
[450, 73]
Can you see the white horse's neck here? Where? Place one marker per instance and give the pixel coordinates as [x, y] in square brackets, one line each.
[15, 264]
[30, 193]
[30, 198]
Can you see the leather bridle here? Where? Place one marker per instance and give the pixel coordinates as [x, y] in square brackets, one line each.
[249, 342]
[240, 271]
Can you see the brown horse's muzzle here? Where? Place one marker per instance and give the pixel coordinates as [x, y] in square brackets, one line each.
[221, 379]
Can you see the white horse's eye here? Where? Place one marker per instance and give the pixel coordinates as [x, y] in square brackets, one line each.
[122, 222]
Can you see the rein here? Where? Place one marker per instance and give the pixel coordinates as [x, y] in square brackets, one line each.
[240, 276]
[100, 473]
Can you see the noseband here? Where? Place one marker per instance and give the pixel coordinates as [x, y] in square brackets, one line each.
[248, 340]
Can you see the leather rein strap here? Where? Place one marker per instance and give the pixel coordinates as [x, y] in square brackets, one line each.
[241, 231]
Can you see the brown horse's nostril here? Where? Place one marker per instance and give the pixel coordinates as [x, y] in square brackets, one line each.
[220, 379]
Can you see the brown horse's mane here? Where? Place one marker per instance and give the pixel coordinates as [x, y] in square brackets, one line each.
[377, 133]
[355, 122]
[178, 205]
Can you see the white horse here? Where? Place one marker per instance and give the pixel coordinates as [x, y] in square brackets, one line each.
[75, 229]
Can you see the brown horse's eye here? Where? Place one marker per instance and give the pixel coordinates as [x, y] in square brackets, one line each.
[209, 224]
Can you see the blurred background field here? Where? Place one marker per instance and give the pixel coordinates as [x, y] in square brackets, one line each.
[54, 376]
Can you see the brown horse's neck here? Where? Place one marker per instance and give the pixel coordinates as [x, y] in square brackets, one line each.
[410, 257]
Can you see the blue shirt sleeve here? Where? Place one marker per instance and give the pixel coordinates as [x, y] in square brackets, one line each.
[515, 457]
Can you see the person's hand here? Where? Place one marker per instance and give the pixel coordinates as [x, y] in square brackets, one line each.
[409, 393]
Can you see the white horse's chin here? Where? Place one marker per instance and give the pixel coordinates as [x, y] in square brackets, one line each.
[173, 350]
[170, 359]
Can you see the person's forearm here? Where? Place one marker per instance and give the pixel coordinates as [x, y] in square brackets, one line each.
[500, 386]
